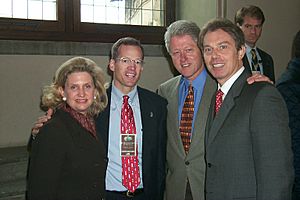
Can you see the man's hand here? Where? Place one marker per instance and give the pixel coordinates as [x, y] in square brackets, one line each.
[40, 122]
[258, 78]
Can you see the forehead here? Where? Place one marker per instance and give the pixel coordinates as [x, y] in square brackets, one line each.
[217, 37]
[130, 51]
[251, 20]
[78, 76]
[181, 41]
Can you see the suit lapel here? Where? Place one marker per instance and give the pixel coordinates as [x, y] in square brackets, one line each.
[227, 106]
[102, 121]
[246, 63]
[202, 113]
[173, 111]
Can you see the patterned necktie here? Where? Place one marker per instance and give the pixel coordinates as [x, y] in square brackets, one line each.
[130, 168]
[219, 100]
[186, 121]
[255, 66]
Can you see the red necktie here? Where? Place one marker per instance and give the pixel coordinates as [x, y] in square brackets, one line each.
[186, 121]
[219, 100]
[130, 168]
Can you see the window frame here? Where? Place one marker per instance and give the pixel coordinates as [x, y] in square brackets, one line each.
[69, 28]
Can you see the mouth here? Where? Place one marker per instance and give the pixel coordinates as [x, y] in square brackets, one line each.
[130, 75]
[81, 100]
[218, 65]
[184, 65]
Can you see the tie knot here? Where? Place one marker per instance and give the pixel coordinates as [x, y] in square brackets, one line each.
[125, 98]
[190, 88]
[219, 92]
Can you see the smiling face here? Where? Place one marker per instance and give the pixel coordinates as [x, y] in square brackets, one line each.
[127, 74]
[79, 90]
[186, 56]
[252, 29]
[221, 56]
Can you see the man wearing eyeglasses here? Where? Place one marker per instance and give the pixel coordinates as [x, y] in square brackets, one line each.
[149, 132]
[251, 19]
[126, 63]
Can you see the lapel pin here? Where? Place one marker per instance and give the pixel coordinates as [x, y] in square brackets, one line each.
[151, 114]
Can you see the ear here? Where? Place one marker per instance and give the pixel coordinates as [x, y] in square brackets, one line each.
[111, 65]
[241, 52]
[61, 91]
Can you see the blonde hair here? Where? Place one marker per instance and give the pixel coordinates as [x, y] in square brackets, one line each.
[51, 97]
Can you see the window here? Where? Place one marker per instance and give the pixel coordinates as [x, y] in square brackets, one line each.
[86, 20]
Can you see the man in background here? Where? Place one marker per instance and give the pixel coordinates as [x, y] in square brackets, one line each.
[251, 19]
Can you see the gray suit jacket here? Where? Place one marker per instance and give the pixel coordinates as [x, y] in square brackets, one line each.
[181, 167]
[248, 145]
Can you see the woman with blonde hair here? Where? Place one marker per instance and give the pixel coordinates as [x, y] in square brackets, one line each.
[67, 160]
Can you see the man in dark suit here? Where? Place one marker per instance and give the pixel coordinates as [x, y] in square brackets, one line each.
[251, 19]
[248, 144]
[149, 111]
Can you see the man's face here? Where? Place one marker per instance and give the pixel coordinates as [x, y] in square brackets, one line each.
[127, 68]
[252, 29]
[221, 56]
[186, 56]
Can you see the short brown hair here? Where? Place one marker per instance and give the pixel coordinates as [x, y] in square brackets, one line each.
[251, 11]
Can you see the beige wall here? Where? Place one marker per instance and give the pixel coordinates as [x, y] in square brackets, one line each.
[198, 11]
[22, 77]
[282, 23]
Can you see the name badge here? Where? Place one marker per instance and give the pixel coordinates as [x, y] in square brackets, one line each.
[128, 145]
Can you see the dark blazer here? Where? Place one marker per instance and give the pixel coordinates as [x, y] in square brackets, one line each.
[267, 62]
[248, 145]
[153, 113]
[66, 162]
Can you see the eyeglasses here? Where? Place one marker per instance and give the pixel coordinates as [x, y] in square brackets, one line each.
[128, 61]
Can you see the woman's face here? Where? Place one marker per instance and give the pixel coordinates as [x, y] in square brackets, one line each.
[79, 91]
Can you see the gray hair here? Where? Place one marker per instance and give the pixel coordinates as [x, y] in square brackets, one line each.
[181, 27]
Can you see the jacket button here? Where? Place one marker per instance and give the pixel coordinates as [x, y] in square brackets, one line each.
[209, 165]
[187, 162]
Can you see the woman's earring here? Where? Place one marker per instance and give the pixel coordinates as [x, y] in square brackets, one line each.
[64, 98]
[95, 97]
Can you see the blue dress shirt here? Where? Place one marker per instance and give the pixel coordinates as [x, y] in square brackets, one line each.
[198, 85]
[113, 180]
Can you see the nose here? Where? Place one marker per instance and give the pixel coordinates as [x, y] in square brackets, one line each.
[215, 53]
[253, 30]
[183, 56]
[81, 92]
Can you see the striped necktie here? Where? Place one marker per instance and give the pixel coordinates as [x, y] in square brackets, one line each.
[255, 65]
[186, 121]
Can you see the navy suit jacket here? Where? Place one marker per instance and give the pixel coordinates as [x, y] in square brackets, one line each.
[267, 63]
[153, 113]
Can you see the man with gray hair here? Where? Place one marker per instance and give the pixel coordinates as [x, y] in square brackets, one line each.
[185, 144]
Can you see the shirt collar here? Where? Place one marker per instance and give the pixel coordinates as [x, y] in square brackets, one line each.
[227, 85]
[118, 95]
[196, 83]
